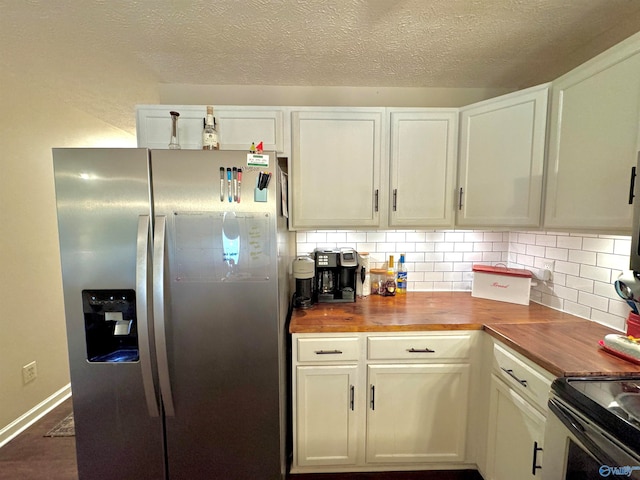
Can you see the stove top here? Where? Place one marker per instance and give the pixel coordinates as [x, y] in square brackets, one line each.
[611, 402]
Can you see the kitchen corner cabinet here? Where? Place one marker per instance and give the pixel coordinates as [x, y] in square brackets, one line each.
[517, 416]
[501, 160]
[336, 167]
[238, 126]
[423, 158]
[593, 140]
[376, 402]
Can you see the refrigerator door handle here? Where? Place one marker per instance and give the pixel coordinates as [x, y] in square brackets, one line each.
[143, 256]
[160, 314]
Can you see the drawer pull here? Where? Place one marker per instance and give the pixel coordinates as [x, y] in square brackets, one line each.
[328, 352]
[420, 350]
[513, 375]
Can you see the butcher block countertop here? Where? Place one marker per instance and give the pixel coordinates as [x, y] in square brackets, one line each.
[561, 343]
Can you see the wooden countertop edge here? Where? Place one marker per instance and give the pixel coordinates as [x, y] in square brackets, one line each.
[544, 363]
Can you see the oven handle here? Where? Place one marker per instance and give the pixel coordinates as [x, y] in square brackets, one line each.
[576, 428]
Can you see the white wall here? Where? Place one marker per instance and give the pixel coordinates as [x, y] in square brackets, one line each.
[38, 114]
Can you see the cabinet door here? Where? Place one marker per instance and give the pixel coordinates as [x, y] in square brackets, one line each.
[502, 146]
[593, 143]
[336, 168]
[326, 400]
[423, 163]
[516, 430]
[238, 127]
[417, 413]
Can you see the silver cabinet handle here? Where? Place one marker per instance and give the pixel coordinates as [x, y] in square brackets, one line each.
[376, 201]
[420, 350]
[460, 199]
[160, 314]
[328, 352]
[372, 402]
[395, 199]
[143, 307]
[513, 375]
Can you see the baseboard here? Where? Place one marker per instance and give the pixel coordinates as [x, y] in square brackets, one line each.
[20, 424]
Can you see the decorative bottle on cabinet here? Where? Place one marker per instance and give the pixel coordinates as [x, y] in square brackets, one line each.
[174, 142]
[402, 276]
[209, 133]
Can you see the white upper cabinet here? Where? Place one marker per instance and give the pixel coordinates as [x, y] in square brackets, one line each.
[593, 140]
[238, 127]
[501, 160]
[335, 167]
[423, 144]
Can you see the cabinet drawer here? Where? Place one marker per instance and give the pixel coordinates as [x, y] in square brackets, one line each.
[328, 349]
[521, 377]
[419, 347]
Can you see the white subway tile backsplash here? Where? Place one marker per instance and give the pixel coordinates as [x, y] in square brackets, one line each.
[577, 309]
[535, 250]
[596, 273]
[603, 245]
[585, 264]
[579, 283]
[580, 256]
[546, 240]
[593, 301]
[569, 268]
[557, 253]
[615, 262]
[574, 243]
[622, 246]
[416, 237]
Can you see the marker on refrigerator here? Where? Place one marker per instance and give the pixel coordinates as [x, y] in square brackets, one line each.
[229, 182]
[235, 184]
[239, 183]
[222, 184]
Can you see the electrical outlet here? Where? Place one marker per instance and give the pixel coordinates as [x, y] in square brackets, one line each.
[29, 372]
[549, 265]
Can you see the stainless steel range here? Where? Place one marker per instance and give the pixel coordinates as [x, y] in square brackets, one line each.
[593, 429]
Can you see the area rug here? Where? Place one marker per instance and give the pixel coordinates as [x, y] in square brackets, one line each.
[66, 428]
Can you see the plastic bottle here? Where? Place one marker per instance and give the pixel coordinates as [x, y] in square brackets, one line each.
[401, 276]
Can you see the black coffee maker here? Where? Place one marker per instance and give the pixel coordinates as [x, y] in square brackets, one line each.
[335, 279]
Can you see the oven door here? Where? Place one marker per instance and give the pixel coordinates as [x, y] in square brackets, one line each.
[576, 448]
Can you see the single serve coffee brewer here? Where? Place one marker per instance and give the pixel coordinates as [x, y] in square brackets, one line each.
[336, 272]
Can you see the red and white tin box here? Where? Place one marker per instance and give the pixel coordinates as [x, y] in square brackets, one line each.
[504, 284]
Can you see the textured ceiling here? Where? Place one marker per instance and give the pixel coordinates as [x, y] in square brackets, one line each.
[403, 43]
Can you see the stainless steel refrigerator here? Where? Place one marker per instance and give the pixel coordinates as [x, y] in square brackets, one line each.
[176, 289]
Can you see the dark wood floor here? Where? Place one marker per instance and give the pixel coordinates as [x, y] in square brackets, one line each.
[31, 456]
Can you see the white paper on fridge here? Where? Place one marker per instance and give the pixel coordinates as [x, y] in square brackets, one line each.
[504, 284]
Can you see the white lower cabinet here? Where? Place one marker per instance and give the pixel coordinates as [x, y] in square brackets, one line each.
[374, 402]
[326, 420]
[517, 415]
[417, 413]
[516, 432]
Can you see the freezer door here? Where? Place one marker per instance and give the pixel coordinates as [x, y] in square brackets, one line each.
[103, 204]
[220, 317]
